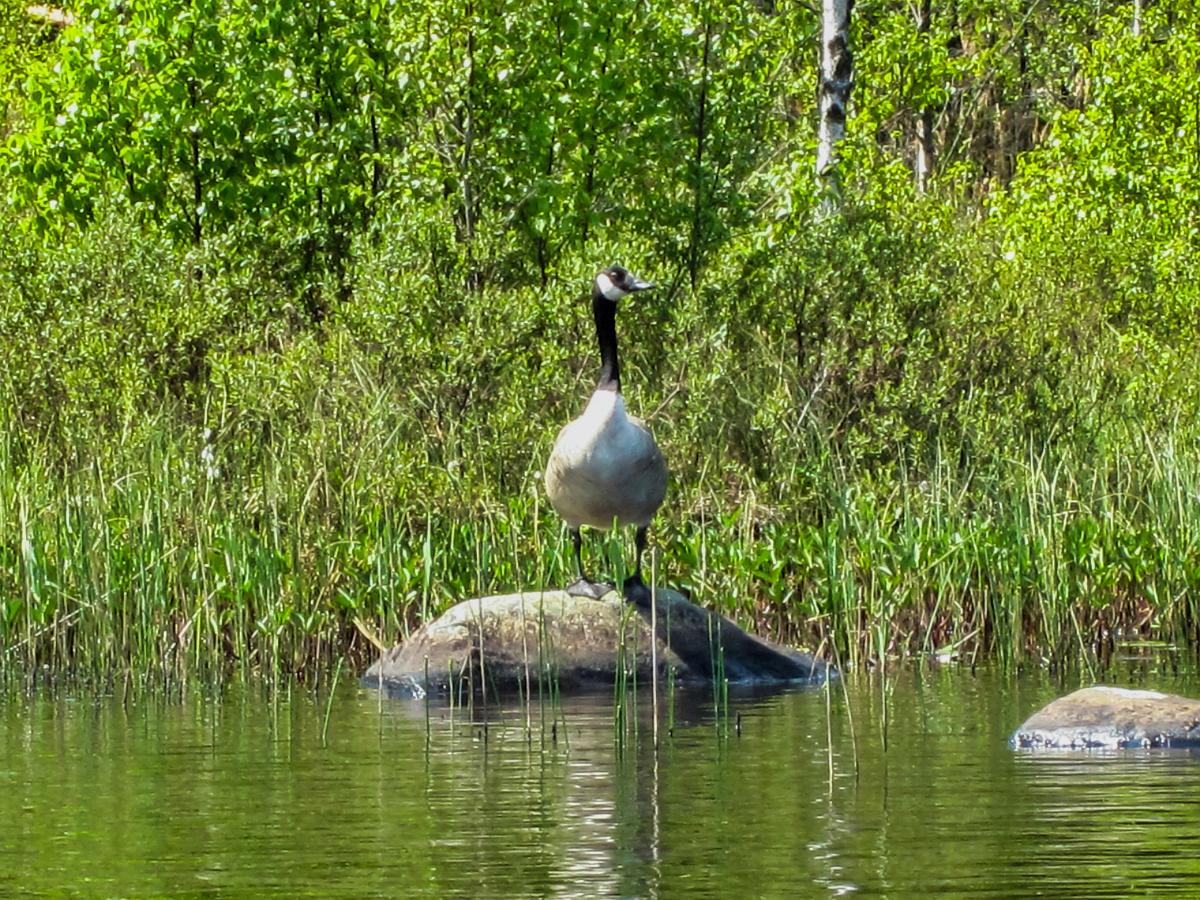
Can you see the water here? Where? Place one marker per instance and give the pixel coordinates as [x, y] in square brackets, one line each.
[242, 797]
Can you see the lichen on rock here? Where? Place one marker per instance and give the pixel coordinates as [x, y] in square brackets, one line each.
[503, 642]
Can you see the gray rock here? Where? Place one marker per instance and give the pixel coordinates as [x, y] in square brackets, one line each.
[491, 643]
[1112, 718]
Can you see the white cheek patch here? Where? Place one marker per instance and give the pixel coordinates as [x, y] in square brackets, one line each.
[608, 289]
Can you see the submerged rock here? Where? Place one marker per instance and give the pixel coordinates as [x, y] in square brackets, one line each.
[1113, 719]
[494, 644]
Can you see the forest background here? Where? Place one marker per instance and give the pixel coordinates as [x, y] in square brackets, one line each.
[293, 302]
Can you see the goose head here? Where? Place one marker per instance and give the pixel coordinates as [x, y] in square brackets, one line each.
[616, 282]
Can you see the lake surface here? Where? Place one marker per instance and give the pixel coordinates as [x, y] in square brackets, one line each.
[241, 796]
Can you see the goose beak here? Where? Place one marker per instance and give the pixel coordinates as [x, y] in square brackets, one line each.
[639, 285]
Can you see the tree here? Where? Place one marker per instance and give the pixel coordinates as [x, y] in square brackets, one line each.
[837, 77]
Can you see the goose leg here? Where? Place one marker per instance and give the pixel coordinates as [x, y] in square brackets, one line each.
[584, 586]
[635, 588]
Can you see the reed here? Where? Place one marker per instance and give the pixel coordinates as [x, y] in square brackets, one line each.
[654, 645]
[241, 524]
[671, 701]
[141, 558]
[329, 706]
[621, 686]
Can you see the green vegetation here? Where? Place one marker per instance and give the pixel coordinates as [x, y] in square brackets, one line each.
[291, 308]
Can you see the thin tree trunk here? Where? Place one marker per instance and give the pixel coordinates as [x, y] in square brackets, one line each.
[466, 160]
[193, 91]
[314, 302]
[701, 133]
[376, 165]
[197, 179]
[837, 74]
[593, 151]
[924, 162]
[542, 241]
[377, 91]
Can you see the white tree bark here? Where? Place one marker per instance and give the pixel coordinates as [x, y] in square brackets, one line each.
[837, 75]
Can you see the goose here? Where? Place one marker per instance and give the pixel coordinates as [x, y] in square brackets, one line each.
[605, 466]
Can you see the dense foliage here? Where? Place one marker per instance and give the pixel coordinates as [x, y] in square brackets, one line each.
[290, 310]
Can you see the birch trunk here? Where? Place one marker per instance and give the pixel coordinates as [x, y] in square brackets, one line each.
[837, 73]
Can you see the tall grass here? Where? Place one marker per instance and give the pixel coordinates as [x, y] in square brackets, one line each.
[152, 556]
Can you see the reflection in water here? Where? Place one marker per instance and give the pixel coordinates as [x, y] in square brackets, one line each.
[242, 798]
[1127, 821]
[588, 815]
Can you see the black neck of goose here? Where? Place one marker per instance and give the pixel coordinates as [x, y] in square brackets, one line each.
[605, 313]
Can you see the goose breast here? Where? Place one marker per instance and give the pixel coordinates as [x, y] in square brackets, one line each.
[605, 465]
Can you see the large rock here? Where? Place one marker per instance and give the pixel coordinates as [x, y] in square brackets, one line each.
[1112, 718]
[495, 643]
